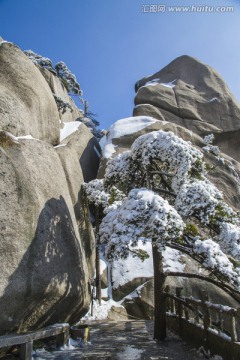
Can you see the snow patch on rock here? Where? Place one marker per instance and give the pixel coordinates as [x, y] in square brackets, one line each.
[126, 270]
[68, 129]
[124, 127]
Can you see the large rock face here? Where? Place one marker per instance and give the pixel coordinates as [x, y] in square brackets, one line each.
[46, 238]
[59, 90]
[80, 160]
[191, 94]
[27, 106]
[43, 266]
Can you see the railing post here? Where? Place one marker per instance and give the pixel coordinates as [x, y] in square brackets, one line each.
[206, 313]
[172, 306]
[219, 323]
[179, 306]
[167, 290]
[196, 315]
[160, 317]
[63, 338]
[26, 351]
[186, 313]
[233, 328]
[206, 316]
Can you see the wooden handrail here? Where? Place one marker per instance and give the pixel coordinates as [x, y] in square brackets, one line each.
[25, 340]
[201, 309]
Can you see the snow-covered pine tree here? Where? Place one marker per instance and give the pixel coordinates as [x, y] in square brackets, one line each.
[73, 88]
[69, 79]
[171, 167]
[102, 202]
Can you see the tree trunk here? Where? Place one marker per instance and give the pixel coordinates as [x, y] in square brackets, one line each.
[159, 298]
[98, 274]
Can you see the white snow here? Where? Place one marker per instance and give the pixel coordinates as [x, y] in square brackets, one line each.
[143, 214]
[4, 41]
[125, 270]
[152, 82]
[214, 258]
[171, 260]
[138, 105]
[208, 139]
[130, 352]
[103, 263]
[108, 150]
[181, 156]
[69, 128]
[169, 84]
[157, 81]
[67, 347]
[28, 137]
[96, 193]
[230, 239]
[136, 293]
[100, 312]
[104, 293]
[214, 99]
[96, 151]
[58, 146]
[103, 141]
[22, 137]
[123, 127]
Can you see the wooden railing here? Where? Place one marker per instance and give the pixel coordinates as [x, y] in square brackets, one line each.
[25, 340]
[210, 320]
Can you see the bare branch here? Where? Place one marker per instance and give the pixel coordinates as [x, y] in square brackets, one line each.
[162, 173]
[164, 191]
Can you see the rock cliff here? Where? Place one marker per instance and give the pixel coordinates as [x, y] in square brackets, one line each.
[193, 95]
[46, 238]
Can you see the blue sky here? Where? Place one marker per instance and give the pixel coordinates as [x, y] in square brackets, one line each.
[110, 44]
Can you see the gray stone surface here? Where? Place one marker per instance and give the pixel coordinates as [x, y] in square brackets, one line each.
[142, 306]
[46, 238]
[125, 340]
[200, 101]
[117, 313]
[44, 274]
[80, 163]
[59, 89]
[27, 106]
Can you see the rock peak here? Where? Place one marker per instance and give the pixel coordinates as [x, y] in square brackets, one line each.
[193, 95]
[185, 68]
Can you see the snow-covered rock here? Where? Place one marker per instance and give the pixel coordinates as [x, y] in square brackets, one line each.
[198, 99]
[121, 128]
